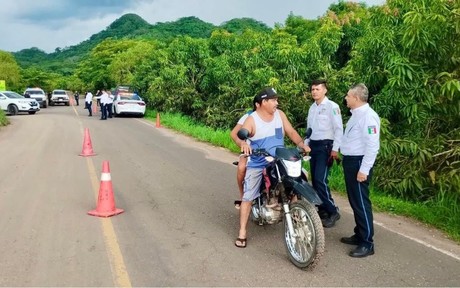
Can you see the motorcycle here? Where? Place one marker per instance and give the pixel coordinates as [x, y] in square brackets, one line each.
[286, 195]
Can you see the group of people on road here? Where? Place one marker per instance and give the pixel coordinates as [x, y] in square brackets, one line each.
[358, 144]
[104, 100]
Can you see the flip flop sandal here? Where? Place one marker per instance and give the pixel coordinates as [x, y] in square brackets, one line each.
[237, 204]
[242, 242]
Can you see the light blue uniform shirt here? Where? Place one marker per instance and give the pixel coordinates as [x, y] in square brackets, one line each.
[362, 136]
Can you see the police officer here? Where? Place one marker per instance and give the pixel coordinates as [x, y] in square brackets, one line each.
[360, 145]
[89, 102]
[103, 102]
[325, 121]
[77, 98]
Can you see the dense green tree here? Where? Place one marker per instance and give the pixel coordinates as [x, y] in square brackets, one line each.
[9, 70]
[409, 56]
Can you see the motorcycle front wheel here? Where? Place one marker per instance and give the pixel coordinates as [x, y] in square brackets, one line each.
[306, 247]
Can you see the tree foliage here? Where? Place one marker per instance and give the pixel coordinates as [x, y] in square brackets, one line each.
[9, 70]
[406, 52]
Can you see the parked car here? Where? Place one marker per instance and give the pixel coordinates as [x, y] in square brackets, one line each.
[37, 94]
[59, 96]
[128, 103]
[13, 103]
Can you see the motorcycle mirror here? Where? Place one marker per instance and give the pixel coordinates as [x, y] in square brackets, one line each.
[308, 133]
[243, 134]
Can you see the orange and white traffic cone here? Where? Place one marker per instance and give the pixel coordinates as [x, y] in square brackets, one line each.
[87, 149]
[105, 201]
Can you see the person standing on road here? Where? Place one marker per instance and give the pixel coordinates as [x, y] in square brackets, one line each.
[110, 104]
[104, 101]
[325, 121]
[88, 103]
[360, 145]
[76, 96]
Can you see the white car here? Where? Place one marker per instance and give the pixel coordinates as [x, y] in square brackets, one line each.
[37, 94]
[128, 103]
[13, 103]
[59, 96]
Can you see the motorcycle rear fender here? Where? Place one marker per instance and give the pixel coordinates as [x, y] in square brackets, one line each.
[304, 189]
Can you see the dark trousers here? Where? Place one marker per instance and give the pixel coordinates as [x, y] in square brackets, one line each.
[89, 107]
[358, 196]
[103, 111]
[76, 100]
[320, 152]
[109, 109]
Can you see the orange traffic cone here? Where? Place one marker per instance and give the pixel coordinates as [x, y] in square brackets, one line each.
[94, 106]
[158, 121]
[87, 149]
[105, 201]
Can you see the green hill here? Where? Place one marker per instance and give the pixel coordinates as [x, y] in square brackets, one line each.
[64, 60]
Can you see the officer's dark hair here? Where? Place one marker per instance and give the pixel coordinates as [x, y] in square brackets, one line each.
[319, 82]
[360, 90]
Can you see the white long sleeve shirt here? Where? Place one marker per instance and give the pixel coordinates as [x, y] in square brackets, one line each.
[362, 136]
[104, 98]
[89, 97]
[326, 123]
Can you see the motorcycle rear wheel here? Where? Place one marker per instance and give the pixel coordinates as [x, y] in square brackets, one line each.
[307, 247]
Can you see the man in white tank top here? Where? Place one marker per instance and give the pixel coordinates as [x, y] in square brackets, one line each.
[267, 127]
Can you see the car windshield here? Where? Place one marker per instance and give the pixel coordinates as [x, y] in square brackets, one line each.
[59, 92]
[13, 95]
[129, 96]
[34, 92]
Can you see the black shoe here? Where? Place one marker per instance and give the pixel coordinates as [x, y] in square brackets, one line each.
[353, 240]
[362, 251]
[330, 221]
[323, 214]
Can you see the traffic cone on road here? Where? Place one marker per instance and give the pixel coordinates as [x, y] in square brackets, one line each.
[87, 149]
[158, 125]
[105, 201]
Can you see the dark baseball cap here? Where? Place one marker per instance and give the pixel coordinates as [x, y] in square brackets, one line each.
[267, 93]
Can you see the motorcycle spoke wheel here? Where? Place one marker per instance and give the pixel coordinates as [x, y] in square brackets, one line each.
[306, 247]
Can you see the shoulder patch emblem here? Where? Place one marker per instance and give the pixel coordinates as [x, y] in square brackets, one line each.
[336, 111]
[372, 129]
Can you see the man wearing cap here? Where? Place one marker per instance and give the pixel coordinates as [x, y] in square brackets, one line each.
[325, 121]
[267, 127]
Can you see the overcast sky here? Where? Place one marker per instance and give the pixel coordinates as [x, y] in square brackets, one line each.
[48, 24]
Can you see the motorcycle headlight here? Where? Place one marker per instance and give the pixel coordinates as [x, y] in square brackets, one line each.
[293, 168]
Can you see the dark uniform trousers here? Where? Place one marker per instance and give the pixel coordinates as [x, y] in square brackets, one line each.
[358, 195]
[320, 153]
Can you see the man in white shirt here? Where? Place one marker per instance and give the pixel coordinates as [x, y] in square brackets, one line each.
[110, 104]
[104, 101]
[360, 145]
[88, 102]
[325, 121]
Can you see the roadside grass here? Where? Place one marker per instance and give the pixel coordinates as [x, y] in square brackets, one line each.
[441, 213]
[3, 120]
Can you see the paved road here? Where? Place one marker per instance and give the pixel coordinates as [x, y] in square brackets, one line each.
[179, 223]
